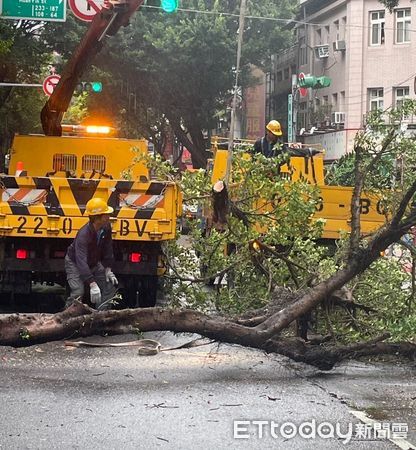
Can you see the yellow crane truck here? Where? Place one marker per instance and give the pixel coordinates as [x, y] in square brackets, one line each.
[52, 177]
[334, 206]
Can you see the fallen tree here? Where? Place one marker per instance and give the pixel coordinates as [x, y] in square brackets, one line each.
[80, 320]
[262, 329]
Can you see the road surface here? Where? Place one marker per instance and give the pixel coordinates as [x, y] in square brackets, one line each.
[213, 396]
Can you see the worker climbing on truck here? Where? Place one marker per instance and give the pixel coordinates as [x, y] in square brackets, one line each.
[90, 256]
[268, 144]
[272, 146]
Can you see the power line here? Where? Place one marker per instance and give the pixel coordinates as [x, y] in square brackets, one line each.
[223, 13]
[273, 19]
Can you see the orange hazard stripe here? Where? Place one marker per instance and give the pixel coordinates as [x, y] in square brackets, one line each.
[20, 195]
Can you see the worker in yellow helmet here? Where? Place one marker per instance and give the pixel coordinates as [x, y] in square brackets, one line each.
[267, 144]
[90, 256]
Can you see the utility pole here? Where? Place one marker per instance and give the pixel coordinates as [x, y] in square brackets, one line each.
[234, 104]
[292, 111]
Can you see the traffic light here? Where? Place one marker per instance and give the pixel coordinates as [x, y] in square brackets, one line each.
[310, 81]
[89, 86]
[322, 82]
[169, 5]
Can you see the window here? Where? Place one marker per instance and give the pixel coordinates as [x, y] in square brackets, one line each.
[335, 101]
[377, 27]
[279, 76]
[375, 99]
[336, 26]
[403, 22]
[401, 93]
[303, 52]
[327, 34]
[343, 27]
[302, 113]
[293, 70]
[342, 101]
[318, 40]
[64, 162]
[93, 162]
[286, 73]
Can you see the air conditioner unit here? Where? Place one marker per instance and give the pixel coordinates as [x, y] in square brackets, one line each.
[338, 117]
[339, 46]
[322, 51]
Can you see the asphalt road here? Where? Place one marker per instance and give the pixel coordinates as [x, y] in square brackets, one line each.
[52, 396]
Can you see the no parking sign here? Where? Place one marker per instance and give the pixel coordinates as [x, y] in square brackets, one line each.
[85, 9]
[49, 84]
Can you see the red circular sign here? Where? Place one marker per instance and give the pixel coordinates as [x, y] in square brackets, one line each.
[49, 84]
[85, 9]
[303, 91]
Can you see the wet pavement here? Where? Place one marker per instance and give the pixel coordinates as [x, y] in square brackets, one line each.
[213, 396]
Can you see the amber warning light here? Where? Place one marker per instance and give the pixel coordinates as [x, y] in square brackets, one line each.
[101, 130]
[95, 129]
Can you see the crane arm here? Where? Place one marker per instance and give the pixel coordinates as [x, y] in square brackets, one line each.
[114, 15]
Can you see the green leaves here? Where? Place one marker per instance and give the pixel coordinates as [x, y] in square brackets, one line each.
[277, 213]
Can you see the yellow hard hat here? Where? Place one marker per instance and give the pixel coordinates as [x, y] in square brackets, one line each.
[97, 206]
[274, 127]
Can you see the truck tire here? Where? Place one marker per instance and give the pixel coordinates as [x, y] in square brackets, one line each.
[148, 291]
[140, 291]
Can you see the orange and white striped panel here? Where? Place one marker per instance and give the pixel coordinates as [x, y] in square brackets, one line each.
[141, 201]
[27, 196]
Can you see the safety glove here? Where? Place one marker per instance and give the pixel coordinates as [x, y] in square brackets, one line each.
[110, 277]
[95, 293]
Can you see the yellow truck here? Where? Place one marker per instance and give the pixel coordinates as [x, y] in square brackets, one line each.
[43, 204]
[52, 177]
[334, 206]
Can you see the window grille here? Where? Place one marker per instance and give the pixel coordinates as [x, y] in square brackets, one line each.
[64, 162]
[93, 162]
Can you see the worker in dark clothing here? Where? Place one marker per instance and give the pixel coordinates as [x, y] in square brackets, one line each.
[90, 256]
[267, 144]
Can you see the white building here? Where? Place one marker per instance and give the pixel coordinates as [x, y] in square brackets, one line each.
[369, 54]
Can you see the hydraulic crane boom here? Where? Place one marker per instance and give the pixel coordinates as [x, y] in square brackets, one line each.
[113, 15]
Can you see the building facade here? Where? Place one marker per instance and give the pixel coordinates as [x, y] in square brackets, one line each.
[369, 55]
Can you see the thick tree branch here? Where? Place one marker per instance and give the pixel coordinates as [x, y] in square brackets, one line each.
[360, 174]
[80, 320]
[401, 210]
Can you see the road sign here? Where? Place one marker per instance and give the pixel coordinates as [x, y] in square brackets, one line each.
[49, 84]
[85, 9]
[290, 118]
[46, 10]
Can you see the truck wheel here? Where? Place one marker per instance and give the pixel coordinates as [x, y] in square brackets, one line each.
[148, 291]
[130, 293]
